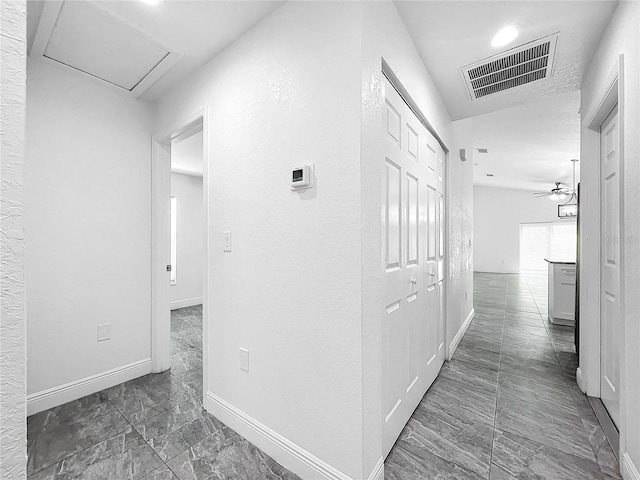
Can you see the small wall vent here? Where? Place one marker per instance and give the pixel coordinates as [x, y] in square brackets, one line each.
[518, 66]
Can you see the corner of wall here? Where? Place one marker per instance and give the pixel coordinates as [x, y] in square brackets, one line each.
[12, 296]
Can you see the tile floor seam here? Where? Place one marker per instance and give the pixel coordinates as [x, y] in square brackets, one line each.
[102, 440]
[495, 408]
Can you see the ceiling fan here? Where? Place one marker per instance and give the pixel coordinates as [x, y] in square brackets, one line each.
[559, 193]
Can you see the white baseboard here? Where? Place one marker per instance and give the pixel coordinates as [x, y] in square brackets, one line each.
[629, 470]
[291, 456]
[378, 470]
[461, 331]
[52, 397]
[581, 381]
[189, 302]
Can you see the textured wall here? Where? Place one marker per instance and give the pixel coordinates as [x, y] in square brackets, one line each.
[621, 37]
[12, 286]
[285, 94]
[461, 234]
[87, 203]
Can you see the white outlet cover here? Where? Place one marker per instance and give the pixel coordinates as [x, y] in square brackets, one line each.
[104, 332]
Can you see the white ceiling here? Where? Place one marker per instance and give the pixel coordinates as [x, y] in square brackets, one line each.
[534, 131]
[452, 34]
[186, 155]
[530, 146]
[196, 29]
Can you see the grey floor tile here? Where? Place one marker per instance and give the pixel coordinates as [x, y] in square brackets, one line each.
[604, 455]
[518, 457]
[554, 427]
[541, 371]
[463, 399]
[141, 401]
[456, 438]
[162, 473]
[480, 377]
[555, 395]
[174, 431]
[124, 456]
[483, 358]
[222, 455]
[55, 435]
[406, 462]
[278, 472]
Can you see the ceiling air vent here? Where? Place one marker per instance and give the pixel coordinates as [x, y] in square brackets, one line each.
[524, 64]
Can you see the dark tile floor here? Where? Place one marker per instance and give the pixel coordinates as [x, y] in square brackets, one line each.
[151, 428]
[506, 407]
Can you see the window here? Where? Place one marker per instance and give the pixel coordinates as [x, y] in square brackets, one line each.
[174, 238]
[538, 241]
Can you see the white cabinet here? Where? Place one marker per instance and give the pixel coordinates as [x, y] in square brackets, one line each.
[562, 292]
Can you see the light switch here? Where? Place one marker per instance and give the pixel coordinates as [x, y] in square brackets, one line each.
[226, 241]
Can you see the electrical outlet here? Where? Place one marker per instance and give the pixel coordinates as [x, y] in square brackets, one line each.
[104, 332]
[244, 359]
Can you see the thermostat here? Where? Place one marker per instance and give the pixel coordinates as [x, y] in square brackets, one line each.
[302, 177]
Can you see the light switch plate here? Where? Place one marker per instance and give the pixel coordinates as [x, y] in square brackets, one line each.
[244, 359]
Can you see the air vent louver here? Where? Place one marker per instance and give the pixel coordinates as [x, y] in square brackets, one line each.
[527, 63]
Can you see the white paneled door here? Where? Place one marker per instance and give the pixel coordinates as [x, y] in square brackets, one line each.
[412, 262]
[610, 266]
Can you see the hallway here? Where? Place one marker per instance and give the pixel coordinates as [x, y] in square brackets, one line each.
[507, 406]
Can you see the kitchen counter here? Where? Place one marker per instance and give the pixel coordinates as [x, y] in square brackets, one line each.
[562, 262]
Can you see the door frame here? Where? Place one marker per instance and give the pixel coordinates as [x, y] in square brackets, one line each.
[588, 373]
[160, 234]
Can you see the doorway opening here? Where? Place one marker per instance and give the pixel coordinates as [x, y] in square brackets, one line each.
[187, 254]
[179, 251]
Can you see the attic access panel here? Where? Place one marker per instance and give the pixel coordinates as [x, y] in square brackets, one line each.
[81, 37]
[517, 66]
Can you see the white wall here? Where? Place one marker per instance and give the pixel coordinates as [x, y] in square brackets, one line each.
[621, 37]
[460, 215]
[286, 93]
[190, 242]
[13, 438]
[497, 215]
[88, 234]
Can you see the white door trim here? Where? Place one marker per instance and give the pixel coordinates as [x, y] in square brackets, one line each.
[160, 255]
[611, 93]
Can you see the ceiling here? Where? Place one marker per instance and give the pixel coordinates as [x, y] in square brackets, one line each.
[530, 146]
[198, 30]
[532, 131]
[452, 34]
[186, 155]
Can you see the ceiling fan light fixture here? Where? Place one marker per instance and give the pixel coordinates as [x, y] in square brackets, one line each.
[554, 197]
[153, 3]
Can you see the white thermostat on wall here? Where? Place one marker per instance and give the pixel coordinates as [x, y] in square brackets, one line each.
[302, 177]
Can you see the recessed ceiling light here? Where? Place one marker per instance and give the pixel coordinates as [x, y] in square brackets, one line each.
[504, 36]
[153, 3]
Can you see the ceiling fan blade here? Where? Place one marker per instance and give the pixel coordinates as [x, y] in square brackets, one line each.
[544, 195]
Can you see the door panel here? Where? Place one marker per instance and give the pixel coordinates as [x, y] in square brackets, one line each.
[412, 200]
[610, 267]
